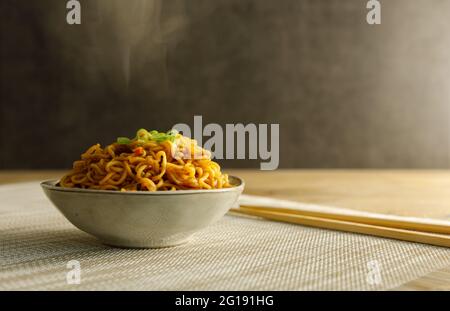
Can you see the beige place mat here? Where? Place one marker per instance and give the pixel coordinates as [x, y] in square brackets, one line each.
[237, 253]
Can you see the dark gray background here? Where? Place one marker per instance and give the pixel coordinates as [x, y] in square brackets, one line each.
[346, 94]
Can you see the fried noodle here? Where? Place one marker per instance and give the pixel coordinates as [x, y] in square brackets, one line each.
[146, 165]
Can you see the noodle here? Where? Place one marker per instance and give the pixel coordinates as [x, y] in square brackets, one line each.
[150, 162]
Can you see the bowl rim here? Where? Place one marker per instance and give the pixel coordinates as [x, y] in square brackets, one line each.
[51, 185]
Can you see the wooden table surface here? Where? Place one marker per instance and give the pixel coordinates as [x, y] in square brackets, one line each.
[420, 193]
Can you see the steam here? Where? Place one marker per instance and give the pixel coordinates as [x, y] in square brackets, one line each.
[128, 34]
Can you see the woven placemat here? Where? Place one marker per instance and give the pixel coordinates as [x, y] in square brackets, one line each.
[237, 253]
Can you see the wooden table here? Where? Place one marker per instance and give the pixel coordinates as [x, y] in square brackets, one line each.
[421, 193]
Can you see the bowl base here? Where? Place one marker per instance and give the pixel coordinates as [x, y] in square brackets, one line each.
[120, 244]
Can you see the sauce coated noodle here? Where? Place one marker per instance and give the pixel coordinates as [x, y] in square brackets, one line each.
[146, 165]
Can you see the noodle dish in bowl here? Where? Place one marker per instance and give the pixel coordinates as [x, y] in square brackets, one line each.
[154, 190]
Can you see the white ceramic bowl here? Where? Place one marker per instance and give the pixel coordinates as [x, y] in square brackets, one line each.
[143, 219]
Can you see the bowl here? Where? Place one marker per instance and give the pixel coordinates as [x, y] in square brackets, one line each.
[142, 219]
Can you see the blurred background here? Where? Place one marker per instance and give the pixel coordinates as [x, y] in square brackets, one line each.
[346, 94]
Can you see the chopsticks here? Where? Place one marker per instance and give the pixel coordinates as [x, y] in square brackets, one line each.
[330, 221]
[369, 219]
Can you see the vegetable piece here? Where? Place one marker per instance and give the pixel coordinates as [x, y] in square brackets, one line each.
[139, 151]
[172, 134]
[123, 140]
[142, 134]
[143, 137]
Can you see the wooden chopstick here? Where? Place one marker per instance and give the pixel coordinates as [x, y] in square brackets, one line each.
[347, 226]
[369, 220]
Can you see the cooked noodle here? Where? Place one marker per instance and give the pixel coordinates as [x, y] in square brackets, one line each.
[150, 162]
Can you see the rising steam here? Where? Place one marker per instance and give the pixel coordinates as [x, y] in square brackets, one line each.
[127, 34]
